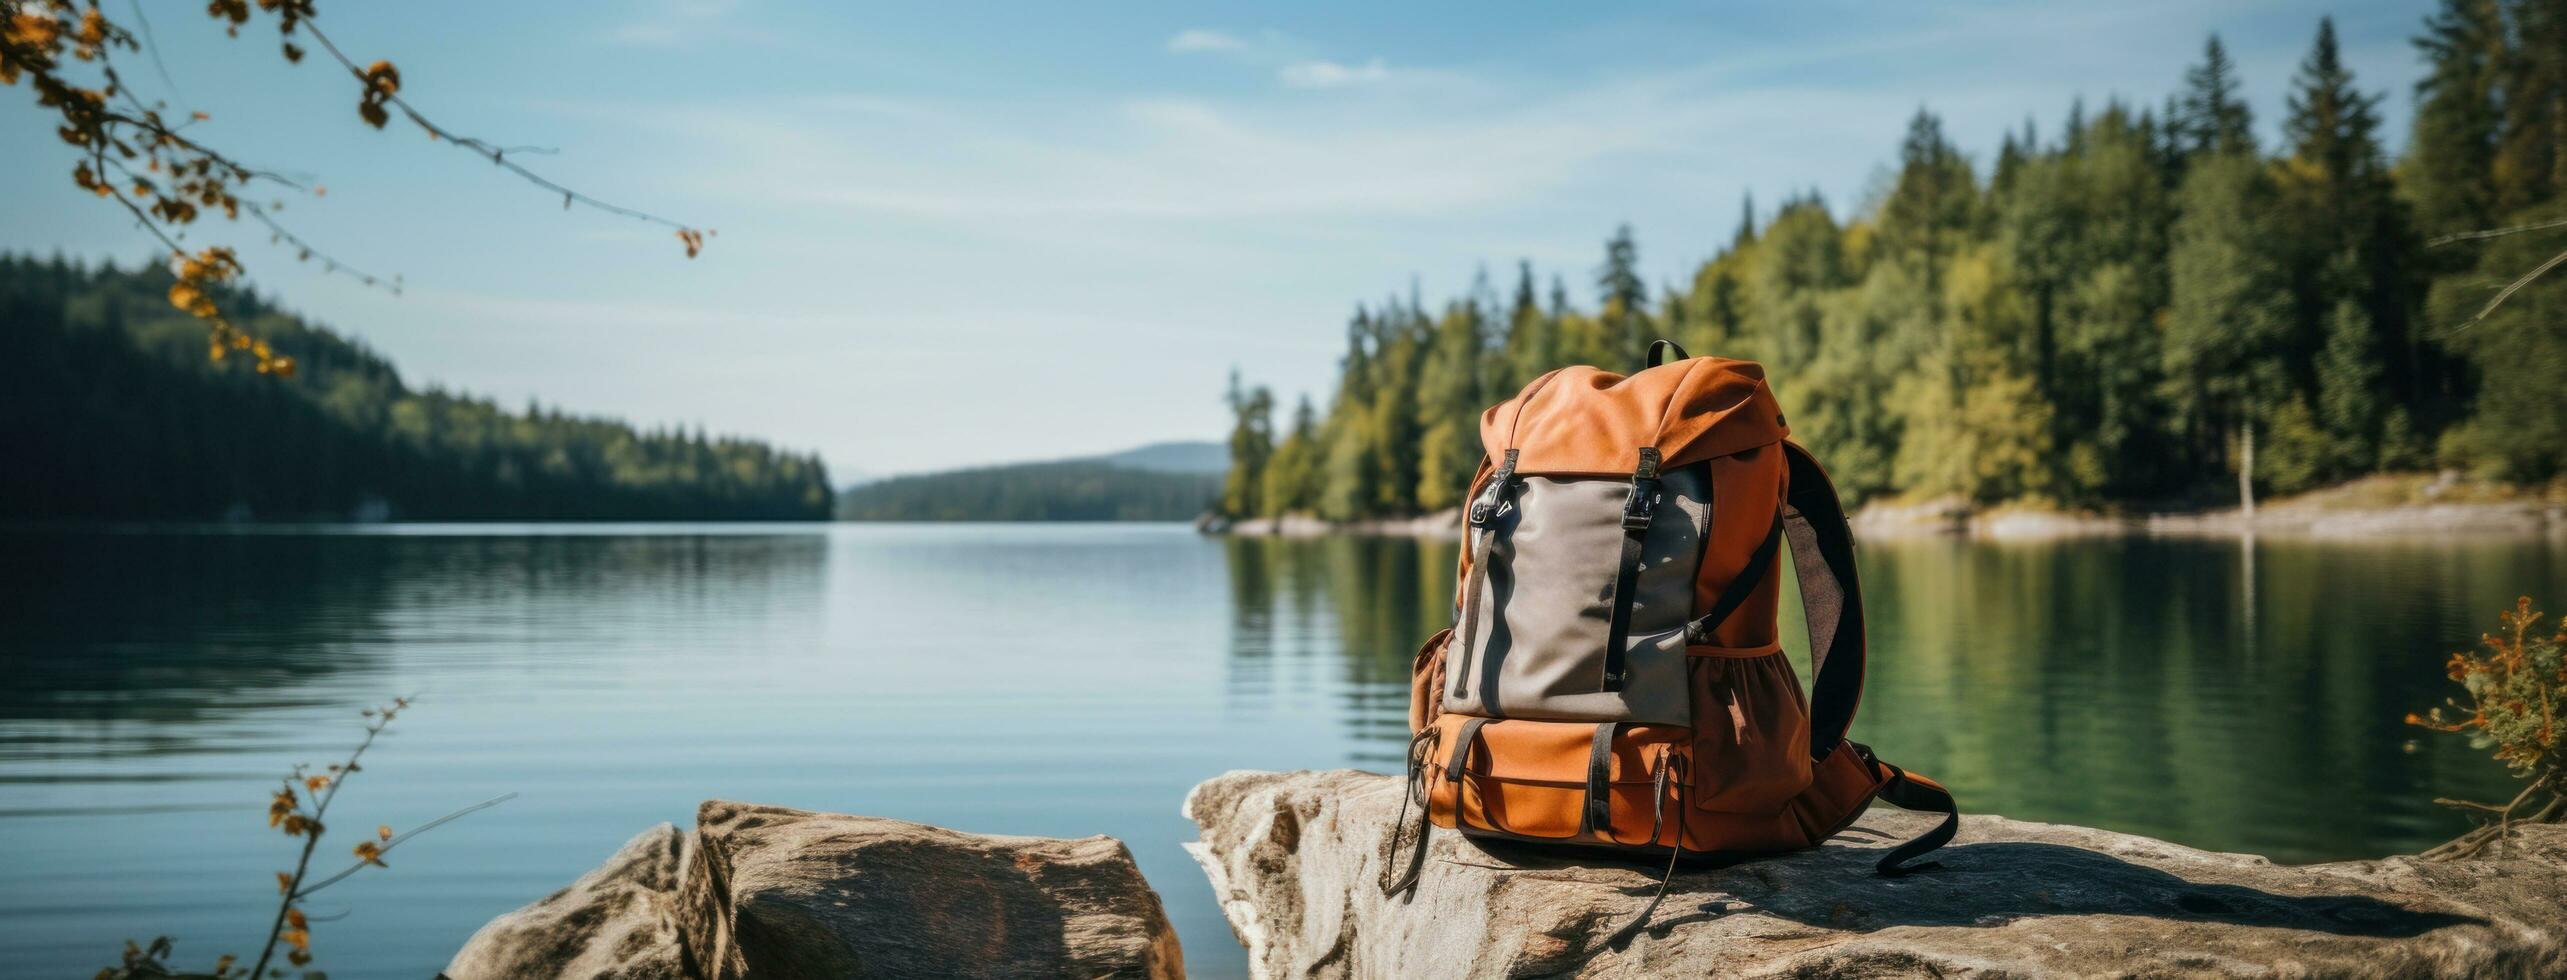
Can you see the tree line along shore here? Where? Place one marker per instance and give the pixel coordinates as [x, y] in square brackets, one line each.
[110, 409]
[2118, 314]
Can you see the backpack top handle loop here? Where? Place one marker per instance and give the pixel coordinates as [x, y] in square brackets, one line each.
[1658, 352]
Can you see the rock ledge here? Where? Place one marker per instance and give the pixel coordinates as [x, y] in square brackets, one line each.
[1296, 860]
[773, 892]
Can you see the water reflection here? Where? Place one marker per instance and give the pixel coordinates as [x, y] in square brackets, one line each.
[1070, 680]
[169, 631]
[1356, 605]
[2230, 695]
[160, 682]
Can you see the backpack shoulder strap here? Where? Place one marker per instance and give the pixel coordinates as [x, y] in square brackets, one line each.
[1831, 597]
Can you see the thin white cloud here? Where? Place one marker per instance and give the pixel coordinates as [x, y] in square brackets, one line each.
[1405, 156]
[1330, 74]
[1198, 39]
[672, 23]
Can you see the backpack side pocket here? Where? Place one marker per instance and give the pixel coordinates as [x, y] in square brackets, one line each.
[1426, 681]
[1751, 731]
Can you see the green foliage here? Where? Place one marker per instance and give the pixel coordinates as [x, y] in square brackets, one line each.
[2531, 144]
[2228, 317]
[114, 412]
[2103, 319]
[1623, 330]
[2515, 710]
[2296, 454]
[1252, 448]
[1448, 397]
[2517, 696]
[1069, 490]
[2212, 119]
[2451, 158]
[2518, 428]
[1294, 476]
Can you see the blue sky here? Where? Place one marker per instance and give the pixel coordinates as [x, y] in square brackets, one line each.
[960, 233]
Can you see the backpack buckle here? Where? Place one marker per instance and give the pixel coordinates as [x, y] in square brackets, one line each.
[1492, 496]
[1641, 505]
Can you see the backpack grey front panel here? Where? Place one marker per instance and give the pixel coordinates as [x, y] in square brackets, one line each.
[1549, 574]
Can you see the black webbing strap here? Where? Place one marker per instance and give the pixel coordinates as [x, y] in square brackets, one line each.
[1831, 599]
[1483, 509]
[1639, 508]
[1406, 884]
[1910, 794]
[1740, 586]
[1461, 760]
[1599, 815]
[1671, 765]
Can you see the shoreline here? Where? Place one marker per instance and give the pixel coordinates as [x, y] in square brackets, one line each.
[2398, 506]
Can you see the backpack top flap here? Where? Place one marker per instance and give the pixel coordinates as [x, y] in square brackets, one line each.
[1584, 421]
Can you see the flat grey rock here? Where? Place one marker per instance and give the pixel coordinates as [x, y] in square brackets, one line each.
[1297, 858]
[614, 923]
[770, 892]
[776, 892]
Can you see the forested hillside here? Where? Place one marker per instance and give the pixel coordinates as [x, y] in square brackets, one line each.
[1165, 481]
[2113, 310]
[111, 409]
[1067, 490]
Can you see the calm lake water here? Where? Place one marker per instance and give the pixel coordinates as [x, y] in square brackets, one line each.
[1069, 680]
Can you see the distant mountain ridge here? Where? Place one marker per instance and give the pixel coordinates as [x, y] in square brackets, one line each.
[1203, 456]
[1161, 481]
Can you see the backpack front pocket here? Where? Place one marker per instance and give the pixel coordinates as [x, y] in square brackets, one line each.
[1554, 780]
[1571, 611]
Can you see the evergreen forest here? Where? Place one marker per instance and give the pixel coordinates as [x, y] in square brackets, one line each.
[2118, 309]
[110, 409]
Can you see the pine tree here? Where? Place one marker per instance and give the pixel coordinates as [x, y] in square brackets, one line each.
[1347, 490]
[2452, 153]
[2108, 318]
[1400, 340]
[2356, 248]
[1532, 335]
[1252, 446]
[2010, 156]
[1448, 404]
[2332, 125]
[1932, 208]
[1623, 320]
[2531, 158]
[1292, 482]
[2214, 118]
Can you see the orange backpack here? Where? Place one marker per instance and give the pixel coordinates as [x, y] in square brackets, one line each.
[1614, 677]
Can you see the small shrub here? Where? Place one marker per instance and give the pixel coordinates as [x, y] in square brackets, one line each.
[2515, 708]
[298, 810]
